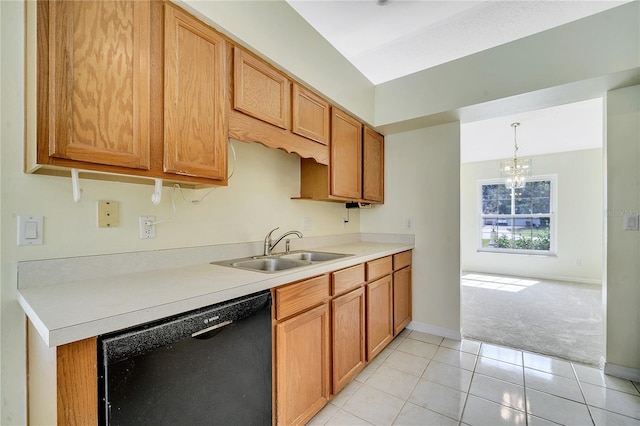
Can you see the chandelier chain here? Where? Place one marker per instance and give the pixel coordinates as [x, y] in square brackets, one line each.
[515, 138]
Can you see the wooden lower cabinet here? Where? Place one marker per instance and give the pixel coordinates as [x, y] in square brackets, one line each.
[320, 344]
[401, 299]
[401, 290]
[77, 382]
[379, 315]
[348, 337]
[302, 366]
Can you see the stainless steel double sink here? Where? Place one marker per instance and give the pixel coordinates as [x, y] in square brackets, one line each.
[281, 261]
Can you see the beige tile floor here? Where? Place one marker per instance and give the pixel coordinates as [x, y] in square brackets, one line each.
[422, 379]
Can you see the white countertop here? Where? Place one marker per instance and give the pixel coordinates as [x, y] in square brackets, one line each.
[74, 310]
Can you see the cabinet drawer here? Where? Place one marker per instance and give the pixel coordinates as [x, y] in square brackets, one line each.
[379, 268]
[347, 279]
[294, 298]
[401, 260]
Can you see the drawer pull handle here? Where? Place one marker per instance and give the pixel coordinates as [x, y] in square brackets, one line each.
[213, 327]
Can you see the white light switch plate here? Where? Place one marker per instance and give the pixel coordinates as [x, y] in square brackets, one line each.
[30, 230]
[306, 224]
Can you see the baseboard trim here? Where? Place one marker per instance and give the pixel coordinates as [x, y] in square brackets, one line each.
[434, 329]
[622, 372]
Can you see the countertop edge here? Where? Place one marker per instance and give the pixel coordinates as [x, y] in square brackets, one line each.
[66, 332]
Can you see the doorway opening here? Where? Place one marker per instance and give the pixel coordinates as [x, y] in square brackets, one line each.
[547, 301]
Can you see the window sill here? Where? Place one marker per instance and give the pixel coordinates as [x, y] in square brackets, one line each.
[522, 252]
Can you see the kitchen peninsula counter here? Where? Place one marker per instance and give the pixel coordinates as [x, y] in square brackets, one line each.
[66, 306]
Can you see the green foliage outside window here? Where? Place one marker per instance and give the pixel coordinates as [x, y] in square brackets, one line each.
[540, 242]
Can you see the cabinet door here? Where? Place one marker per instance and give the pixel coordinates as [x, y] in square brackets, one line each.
[348, 343]
[98, 99]
[260, 91]
[195, 106]
[346, 156]
[302, 366]
[372, 166]
[311, 115]
[379, 315]
[401, 299]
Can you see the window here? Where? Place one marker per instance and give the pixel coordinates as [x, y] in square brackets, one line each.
[518, 220]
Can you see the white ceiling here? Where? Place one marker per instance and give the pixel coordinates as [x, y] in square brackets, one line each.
[389, 39]
[563, 128]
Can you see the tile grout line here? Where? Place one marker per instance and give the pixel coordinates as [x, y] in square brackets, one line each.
[575, 373]
[459, 421]
[473, 373]
[414, 386]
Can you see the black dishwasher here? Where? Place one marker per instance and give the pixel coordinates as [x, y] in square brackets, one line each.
[210, 366]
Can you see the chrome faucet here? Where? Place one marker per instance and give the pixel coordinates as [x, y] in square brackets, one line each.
[269, 245]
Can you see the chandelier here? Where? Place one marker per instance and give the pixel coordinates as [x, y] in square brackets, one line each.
[516, 170]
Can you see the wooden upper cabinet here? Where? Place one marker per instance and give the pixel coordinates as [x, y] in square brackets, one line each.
[97, 58]
[260, 91]
[372, 166]
[311, 115]
[346, 155]
[267, 110]
[195, 105]
[137, 88]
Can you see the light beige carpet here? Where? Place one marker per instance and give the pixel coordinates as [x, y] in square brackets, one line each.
[553, 318]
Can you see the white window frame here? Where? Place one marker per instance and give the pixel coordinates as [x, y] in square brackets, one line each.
[552, 215]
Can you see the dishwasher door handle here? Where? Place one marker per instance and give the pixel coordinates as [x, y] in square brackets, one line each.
[213, 327]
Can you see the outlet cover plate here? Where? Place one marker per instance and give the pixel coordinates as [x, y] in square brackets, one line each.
[108, 215]
[147, 227]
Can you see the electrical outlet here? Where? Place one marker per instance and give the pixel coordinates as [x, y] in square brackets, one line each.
[306, 224]
[147, 227]
[108, 216]
[631, 222]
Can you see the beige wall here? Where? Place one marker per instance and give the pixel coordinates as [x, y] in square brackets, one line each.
[623, 247]
[422, 181]
[578, 216]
